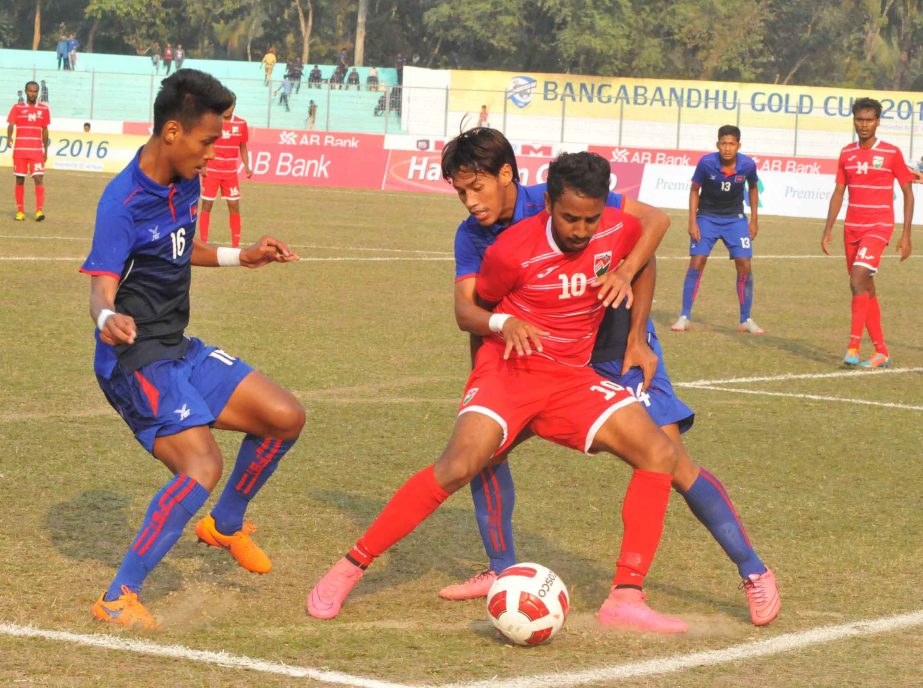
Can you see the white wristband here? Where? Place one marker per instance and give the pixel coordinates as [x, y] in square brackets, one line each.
[496, 322]
[103, 316]
[228, 257]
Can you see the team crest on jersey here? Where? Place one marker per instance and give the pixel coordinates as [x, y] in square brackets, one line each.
[739, 179]
[878, 161]
[602, 262]
[235, 130]
[469, 395]
[194, 210]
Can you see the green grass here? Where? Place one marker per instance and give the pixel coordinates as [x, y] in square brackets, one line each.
[828, 489]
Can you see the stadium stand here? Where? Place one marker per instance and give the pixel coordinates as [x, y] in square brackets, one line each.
[122, 87]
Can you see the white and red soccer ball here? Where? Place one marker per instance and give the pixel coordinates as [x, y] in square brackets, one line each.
[528, 604]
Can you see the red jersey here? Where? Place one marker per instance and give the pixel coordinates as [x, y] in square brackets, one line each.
[869, 175]
[29, 121]
[227, 149]
[529, 277]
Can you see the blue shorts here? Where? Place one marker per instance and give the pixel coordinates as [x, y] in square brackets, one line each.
[734, 231]
[169, 396]
[660, 401]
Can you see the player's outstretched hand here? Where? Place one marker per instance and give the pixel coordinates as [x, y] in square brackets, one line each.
[640, 354]
[267, 250]
[119, 329]
[614, 288]
[521, 336]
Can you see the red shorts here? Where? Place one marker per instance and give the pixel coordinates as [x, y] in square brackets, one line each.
[227, 184]
[563, 404]
[26, 165]
[865, 251]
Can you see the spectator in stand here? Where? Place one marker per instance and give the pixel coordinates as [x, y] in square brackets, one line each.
[284, 91]
[314, 77]
[268, 62]
[155, 56]
[167, 58]
[61, 52]
[339, 75]
[394, 102]
[399, 66]
[484, 118]
[179, 55]
[341, 60]
[86, 127]
[371, 81]
[296, 70]
[353, 79]
[381, 106]
[43, 92]
[19, 98]
[72, 46]
[312, 114]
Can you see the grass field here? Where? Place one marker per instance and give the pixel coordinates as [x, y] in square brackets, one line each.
[824, 465]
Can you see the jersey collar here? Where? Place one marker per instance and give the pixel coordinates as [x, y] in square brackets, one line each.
[146, 183]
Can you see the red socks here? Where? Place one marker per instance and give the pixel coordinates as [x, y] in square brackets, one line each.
[205, 217]
[860, 309]
[643, 512]
[873, 324]
[39, 198]
[235, 230]
[20, 198]
[411, 505]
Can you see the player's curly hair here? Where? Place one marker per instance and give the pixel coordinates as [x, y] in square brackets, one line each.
[867, 104]
[478, 150]
[586, 173]
[188, 94]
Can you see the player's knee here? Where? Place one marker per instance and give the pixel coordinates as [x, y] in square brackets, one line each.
[458, 466]
[206, 470]
[661, 455]
[288, 417]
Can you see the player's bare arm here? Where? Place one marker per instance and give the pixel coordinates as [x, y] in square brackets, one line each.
[836, 202]
[46, 141]
[654, 226]
[114, 328]
[266, 250]
[754, 204]
[9, 137]
[637, 351]
[904, 246]
[694, 232]
[245, 159]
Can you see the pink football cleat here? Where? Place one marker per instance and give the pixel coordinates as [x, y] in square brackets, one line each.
[326, 598]
[626, 608]
[471, 589]
[763, 596]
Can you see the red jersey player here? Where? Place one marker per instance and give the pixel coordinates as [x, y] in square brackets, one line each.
[220, 175]
[30, 148]
[550, 272]
[868, 168]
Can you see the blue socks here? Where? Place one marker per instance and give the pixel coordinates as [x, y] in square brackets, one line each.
[256, 461]
[167, 515]
[494, 498]
[745, 295]
[690, 289]
[709, 501]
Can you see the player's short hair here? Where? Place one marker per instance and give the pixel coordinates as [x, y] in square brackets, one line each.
[729, 130]
[188, 94]
[478, 150]
[867, 104]
[30, 83]
[586, 173]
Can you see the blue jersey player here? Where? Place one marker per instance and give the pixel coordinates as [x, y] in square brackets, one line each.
[169, 388]
[481, 165]
[716, 211]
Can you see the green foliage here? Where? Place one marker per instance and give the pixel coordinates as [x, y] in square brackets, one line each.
[856, 43]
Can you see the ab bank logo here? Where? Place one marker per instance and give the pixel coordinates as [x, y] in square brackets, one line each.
[521, 90]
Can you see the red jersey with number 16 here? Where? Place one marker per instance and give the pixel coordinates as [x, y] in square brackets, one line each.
[227, 149]
[29, 121]
[869, 175]
[529, 277]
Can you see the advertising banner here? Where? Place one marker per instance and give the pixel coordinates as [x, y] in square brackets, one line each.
[83, 151]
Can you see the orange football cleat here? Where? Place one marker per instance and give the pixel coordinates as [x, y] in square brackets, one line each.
[126, 610]
[239, 544]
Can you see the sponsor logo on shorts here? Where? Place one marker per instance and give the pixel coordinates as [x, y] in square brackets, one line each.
[183, 412]
[469, 395]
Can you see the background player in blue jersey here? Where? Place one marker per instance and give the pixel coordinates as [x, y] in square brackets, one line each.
[716, 211]
[171, 389]
[481, 165]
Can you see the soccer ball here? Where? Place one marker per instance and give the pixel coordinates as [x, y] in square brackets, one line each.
[528, 604]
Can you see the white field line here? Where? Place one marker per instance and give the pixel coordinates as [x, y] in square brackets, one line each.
[856, 374]
[653, 667]
[737, 653]
[811, 397]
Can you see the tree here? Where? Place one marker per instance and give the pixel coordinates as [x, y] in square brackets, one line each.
[307, 25]
[361, 15]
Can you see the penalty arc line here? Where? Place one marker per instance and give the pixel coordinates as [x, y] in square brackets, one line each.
[653, 667]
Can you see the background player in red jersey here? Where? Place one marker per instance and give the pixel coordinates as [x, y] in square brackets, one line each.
[553, 269]
[220, 176]
[30, 148]
[868, 168]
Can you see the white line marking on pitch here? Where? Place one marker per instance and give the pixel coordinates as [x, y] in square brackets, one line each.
[738, 653]
[812, 397]
[857, 374]
[652, 667]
